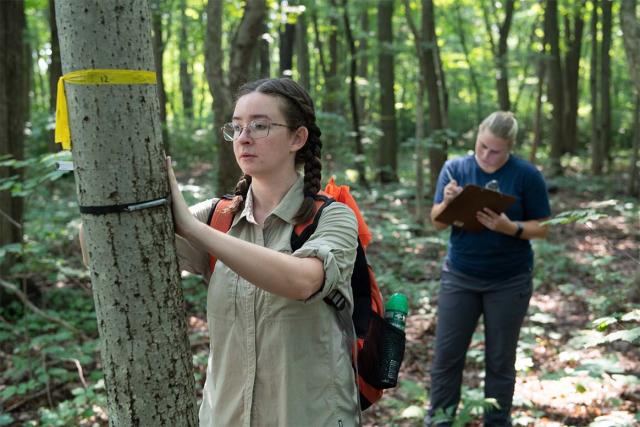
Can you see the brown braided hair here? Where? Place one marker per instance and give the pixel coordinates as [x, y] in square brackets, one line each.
[297, 107]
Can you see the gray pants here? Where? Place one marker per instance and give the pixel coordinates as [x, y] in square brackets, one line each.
[462, 299]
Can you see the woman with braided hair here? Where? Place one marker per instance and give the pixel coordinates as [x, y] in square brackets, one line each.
[278, 353]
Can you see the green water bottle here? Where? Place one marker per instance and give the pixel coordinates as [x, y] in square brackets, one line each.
[396, 309]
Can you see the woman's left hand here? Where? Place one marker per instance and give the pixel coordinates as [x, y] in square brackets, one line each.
[182, 216]
[494, 222]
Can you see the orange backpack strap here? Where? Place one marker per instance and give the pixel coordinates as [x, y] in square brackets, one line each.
[220, 218]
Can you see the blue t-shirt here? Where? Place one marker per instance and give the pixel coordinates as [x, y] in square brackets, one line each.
[489, 254]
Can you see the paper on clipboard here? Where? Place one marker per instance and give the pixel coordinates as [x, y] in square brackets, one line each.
[461, 212]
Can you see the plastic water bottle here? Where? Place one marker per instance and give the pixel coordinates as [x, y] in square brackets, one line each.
[396, 309]
[393, 340]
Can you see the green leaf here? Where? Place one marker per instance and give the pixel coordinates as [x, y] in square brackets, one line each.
[630, 335]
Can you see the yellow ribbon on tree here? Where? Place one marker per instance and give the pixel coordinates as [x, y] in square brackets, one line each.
[92, 77]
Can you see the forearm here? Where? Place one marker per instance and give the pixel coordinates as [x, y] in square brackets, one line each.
[532, 230]
[83, 246]
[275, 272]
[435, 211]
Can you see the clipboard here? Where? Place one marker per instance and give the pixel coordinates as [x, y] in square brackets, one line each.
[461, 212]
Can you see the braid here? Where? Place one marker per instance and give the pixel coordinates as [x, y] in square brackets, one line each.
[312, 174]
[240, 194]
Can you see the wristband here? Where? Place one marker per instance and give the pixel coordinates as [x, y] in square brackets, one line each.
[519, 230]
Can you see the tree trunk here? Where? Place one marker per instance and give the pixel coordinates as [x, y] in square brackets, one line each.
[158, 53]
[500, 52]
[630, 25]
[537, 121]
[353, 99]
[287, 38]
[186, 82]
[332, 79]
[363, 64]
[597, 151]
[55, 70]
[265, 55]
[435, 93]
[387, 151]
[119, 159]
[555, 83]
[572, 77]
[502, 79]
[605, 83]
[302, 52]
[473, 78]
[245, 40]
[14, 102]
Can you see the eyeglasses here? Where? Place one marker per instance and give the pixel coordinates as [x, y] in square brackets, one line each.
[257, 129]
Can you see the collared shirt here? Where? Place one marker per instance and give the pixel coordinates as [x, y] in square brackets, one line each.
[275, 361]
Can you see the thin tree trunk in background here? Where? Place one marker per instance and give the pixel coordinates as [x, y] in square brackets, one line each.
[302, 52]
[435, 92]
[55, 71]
[14, 107]
[537, 121]
[605, 84]
[158, 54]
[287, 38]
[353, 99]
[465, 49]
[634, 173]
[265, 54]
[525, 71]
[322, 63]
[572, 76]
[500, 52]
[363, 64]
[246, 39]
[119, 159]
[555, 83]
[186, 81]
[333, 103]
[387, 150]
[597, 151]
[630, 25]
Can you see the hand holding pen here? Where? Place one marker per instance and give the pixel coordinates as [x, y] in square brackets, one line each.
[451, 190]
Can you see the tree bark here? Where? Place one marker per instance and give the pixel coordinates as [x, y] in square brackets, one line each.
[222, 89]
[287, 39]
[302, 52]
[605, 83]
[435, 93]
[473, 79]
[555, 83]
[630, 25]
[186, 82]
[353, 99]
[119, 159]
[14, 102]
[158, 54]
[55, 70]
[597, 151]
[500, 52]
[387, 150]
[572, 77]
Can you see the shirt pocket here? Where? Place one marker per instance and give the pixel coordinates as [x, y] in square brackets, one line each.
[222, 293]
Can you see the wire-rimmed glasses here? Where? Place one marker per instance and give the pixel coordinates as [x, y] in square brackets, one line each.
[257, 129]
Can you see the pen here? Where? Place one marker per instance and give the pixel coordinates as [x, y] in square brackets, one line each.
[449, 175]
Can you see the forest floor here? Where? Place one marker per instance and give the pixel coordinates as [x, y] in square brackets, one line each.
[569, 372]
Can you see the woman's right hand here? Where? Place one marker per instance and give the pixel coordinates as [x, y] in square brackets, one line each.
[182, 216]
[451, 190]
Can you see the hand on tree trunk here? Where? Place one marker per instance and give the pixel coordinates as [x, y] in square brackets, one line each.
[182, 217]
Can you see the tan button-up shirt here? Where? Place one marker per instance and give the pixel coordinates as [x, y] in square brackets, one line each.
[275, 361]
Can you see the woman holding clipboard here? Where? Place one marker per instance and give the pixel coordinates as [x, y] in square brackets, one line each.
[486, 272]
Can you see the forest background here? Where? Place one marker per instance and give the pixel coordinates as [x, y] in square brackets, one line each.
[400, 86]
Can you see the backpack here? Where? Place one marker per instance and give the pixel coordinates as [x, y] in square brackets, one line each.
[368, 309]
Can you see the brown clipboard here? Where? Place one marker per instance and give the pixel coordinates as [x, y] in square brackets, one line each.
[461, 212]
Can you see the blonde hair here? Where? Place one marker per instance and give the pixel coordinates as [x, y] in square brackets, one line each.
[502, 124]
